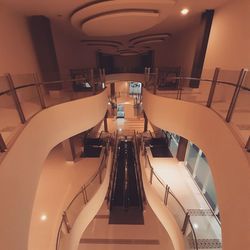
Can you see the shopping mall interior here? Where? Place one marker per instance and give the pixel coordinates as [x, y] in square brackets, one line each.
[125, 124]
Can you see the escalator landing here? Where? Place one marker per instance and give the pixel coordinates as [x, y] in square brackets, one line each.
[129, 216]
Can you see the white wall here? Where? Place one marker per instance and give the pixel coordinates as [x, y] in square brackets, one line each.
[22, 165]
[229, 42]
[228, 160]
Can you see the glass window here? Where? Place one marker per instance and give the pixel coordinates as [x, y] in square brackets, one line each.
[174, 142]
[191, 157]
[210, 193]
[202, 171]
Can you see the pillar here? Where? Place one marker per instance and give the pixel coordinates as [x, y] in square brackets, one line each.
[182, 148]
[69, 149]
[106, 122]
[145, 122]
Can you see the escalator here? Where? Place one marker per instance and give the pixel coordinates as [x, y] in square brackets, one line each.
[126, 203]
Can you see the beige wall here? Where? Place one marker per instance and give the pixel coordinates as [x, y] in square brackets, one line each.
[227, 159]
[229, 42]
[17, 54]
[21, 168]
[70, 52]
[179, 50]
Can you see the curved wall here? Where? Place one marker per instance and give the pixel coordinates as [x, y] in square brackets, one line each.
[227, 160]
[20, 170]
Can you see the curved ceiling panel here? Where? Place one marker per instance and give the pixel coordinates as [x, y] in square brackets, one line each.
[149, 36]
[103, 42]
[149, 41]
[120, 22]
[118, 18]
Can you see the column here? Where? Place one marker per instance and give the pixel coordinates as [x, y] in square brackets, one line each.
[69, 149]
[182, 148]
[145, 122]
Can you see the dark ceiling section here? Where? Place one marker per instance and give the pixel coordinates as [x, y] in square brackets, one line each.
[201, 47]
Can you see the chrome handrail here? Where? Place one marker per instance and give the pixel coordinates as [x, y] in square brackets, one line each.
[12, 91]
[207, 80]
[83, 191]
[172, 194]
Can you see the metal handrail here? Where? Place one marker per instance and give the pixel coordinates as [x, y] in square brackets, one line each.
[207, 80]
[42, 83]
[79, 79]
[89, 182]
[113, 171]
[138, 173]
[83, 189]
[171, 193]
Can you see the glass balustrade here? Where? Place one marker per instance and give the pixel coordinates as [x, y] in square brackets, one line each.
[227, 92]
[24, 95]
[79, 201]
[195, 223]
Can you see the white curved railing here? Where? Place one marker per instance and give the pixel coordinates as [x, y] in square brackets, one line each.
[229, 163]
[22, 165]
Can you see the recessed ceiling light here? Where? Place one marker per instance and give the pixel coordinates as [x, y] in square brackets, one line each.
[43, 217]
[184, 11]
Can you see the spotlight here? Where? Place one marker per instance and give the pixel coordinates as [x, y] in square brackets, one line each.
[184, 11]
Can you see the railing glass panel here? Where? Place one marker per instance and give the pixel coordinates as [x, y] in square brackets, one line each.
[9, 118]
[168, 198]
[85, 194]
[24, 95]
[29, 101]
[216, 89]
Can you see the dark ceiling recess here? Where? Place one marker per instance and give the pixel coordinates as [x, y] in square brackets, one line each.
[102, 42]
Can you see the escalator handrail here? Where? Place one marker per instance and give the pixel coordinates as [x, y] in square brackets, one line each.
[138, 174]
[112, 173]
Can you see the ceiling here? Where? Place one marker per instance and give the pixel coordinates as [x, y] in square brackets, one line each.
[112, 25]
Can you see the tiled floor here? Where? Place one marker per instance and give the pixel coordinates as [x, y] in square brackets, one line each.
[59, 182]
[104, 236]
[177, 177]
